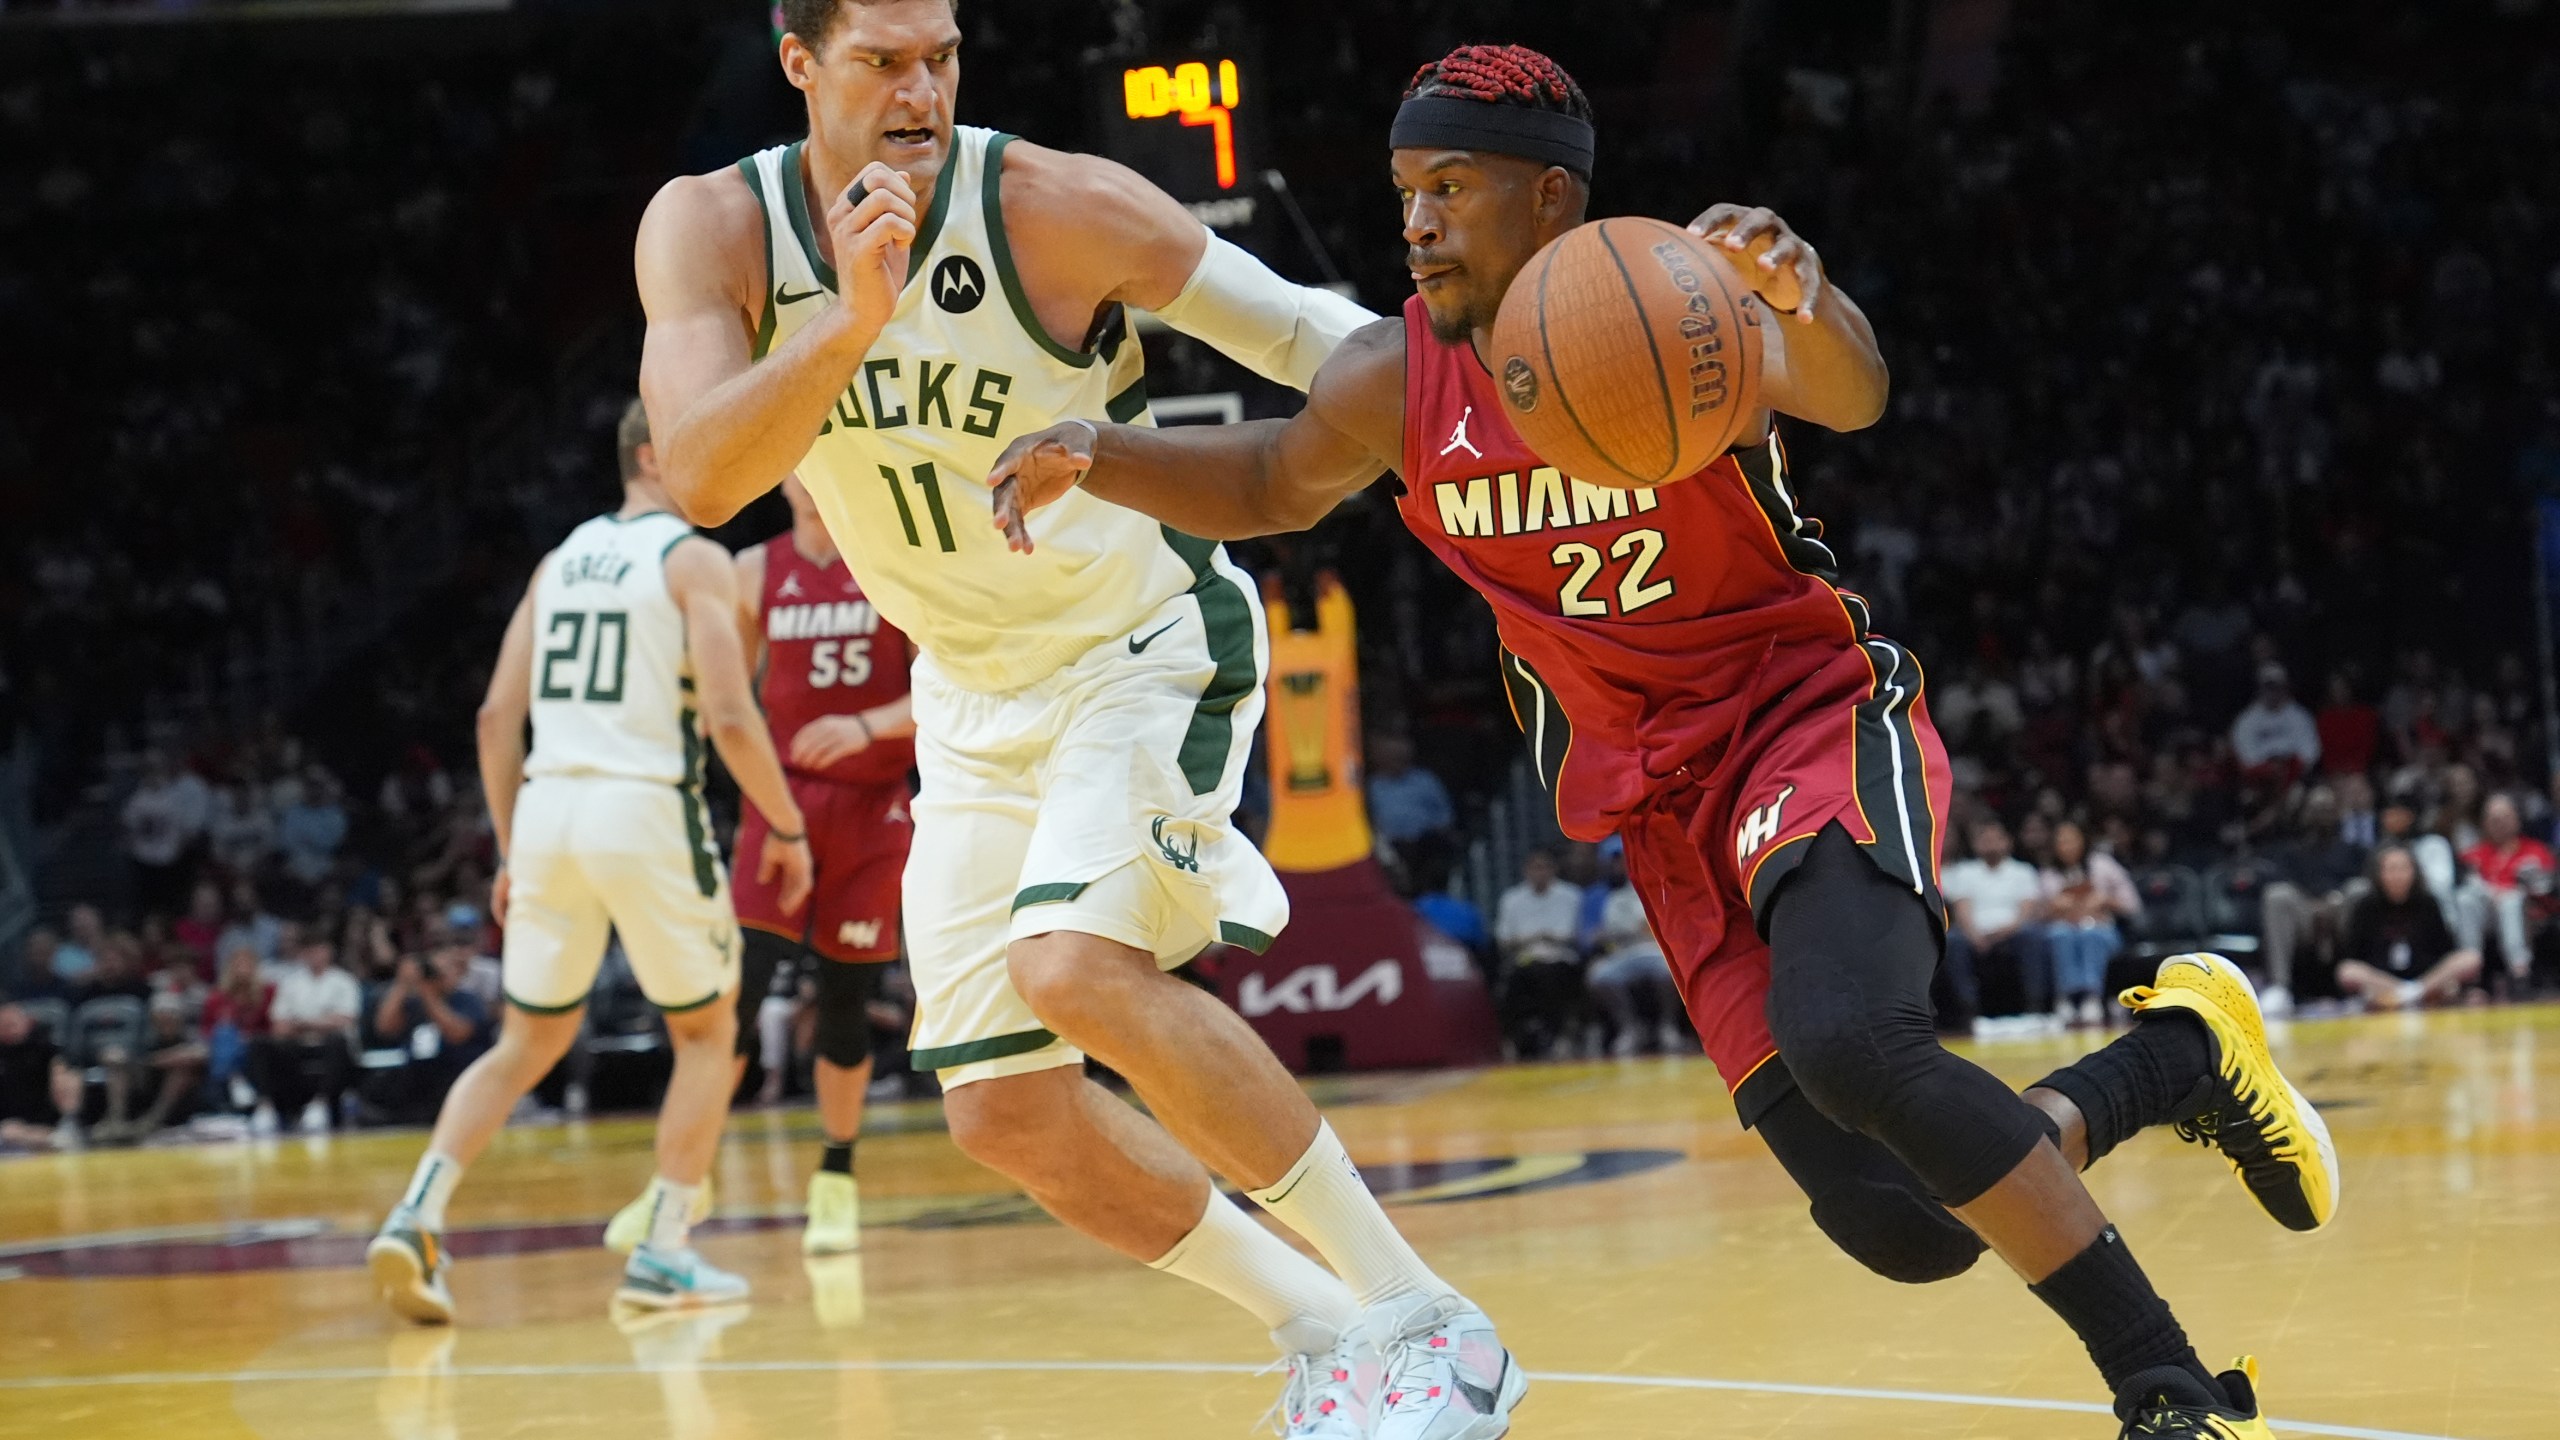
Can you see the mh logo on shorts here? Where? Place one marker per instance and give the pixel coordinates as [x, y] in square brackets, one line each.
[1759, 827]
[1179, 859]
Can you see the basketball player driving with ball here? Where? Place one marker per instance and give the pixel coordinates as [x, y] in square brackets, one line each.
[1696, 682]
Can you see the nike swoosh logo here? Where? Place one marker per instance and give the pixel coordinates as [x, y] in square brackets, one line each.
[1485, 1401]
[1139, 647]
[782, 295]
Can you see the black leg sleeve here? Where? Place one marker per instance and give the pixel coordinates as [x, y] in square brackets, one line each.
[1866, 1199]
[762, 954]
[1852, 952]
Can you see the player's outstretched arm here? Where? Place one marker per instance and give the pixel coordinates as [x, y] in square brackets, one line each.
[1226, 482]
[1096, 226]
[727, 428]
[706, 590]
[1818, 355]
[501, 721]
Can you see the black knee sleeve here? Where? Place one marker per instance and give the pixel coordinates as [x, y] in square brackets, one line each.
[1865, 1199]
[1852, 951]
[761, 954]
[845, 993]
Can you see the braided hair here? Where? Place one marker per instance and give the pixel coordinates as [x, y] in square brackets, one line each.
[1502, 75]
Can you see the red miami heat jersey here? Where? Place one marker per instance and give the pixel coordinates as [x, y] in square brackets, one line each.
[827, 652]
[1640, 627]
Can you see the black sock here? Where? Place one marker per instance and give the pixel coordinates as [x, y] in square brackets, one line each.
[838, 1159]
[2158, 1071]
[2104, 1297]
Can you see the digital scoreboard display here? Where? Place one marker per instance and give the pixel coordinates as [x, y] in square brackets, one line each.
[1185, 121]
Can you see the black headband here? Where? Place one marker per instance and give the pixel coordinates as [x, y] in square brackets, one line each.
[1453, 122]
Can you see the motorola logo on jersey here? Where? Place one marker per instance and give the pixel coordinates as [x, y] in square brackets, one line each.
[958, 284]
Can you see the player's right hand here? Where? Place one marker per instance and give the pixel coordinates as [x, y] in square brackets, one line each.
[871, 239]
[790, 860]
[1038, 469]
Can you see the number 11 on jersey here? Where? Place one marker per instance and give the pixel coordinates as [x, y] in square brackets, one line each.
[931, 484]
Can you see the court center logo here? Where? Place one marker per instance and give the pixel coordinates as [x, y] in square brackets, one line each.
[958, 284]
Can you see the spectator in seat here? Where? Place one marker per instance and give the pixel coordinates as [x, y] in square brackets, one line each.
[235, 1019]
[1534, 929]
[1628, 972]
[2359, 823]
[164, 819]
[37, 977]
[1453, 914]
[2275, 740]
[38, 1093]
[443, 1026]
[308, 1055]
[252, 924]
[2323, 874]
[78, 954]
[175, 1054]
[311, 824]
[1406, 802]
[242, 831]
[2516, 872]
[1994, 902]
[2397, 951]
[199, 931]
[2087, 897]
[2350, 731]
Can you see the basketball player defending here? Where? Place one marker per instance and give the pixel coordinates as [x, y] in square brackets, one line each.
[634, 617]
[880, 307]
[831, 678]
[1767, 759]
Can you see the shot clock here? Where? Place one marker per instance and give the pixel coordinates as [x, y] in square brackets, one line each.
[1184, 121]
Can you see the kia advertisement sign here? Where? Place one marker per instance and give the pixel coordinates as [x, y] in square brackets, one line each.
[1358, 981]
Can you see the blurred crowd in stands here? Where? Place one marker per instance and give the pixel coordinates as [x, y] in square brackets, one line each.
[2224, 364]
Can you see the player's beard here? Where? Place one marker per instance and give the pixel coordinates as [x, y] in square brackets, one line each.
[1459, 326]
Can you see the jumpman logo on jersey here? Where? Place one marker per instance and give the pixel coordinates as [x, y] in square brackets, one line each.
[1458, 436]
[790, 586]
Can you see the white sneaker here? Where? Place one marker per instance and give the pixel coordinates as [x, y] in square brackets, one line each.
[315, 1117]
[408, 1262]
[1330, 1392]
[1672, 1039]
[655, 1279]
[835, 1215]
[262, 1121]
[244, 1096]
[2275, 1002]
[1447, 1375]
[575, 1101]
[2090, 1011]
[1628, 1045]
[2064, 1010]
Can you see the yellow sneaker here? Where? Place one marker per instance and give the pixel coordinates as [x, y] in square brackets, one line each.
[2275, 1142]
[630, 1224]
[2171, 1405]
[835, 1215]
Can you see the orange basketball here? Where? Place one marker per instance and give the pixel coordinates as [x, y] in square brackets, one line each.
[1623, 353]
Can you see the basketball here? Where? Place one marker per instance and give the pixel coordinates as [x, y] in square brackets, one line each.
[1624, 354]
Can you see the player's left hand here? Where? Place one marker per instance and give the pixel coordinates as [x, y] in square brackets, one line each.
[828, 739]
[501, 890]
[1772, 259]
[790, 860]
[1038, 469]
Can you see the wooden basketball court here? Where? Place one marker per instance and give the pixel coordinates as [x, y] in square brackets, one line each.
[1649, 1262]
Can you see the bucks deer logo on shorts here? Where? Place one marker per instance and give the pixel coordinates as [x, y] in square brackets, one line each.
[1759, 827]
[1179, 859]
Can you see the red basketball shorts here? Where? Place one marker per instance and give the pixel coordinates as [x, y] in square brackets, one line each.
[1852, 744]
[858, 834]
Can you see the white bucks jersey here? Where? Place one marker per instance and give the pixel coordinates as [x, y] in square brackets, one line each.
[612, 679]
[899, 470]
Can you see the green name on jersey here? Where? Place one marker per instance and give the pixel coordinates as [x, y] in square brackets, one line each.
[923, 398]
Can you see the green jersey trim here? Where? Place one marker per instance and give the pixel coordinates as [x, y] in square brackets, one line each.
[770, 317]
[1228, 618]
[1048, 894]
[970, 1052]
[1251, 939]
[795, 196]
[1129, 404]
[991, 201]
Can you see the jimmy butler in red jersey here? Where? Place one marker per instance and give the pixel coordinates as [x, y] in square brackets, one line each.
[831, 677]
[1694, 680]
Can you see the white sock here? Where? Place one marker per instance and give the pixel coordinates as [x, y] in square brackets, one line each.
[1322, 1198]
[671, 1214]
[1232, 1254]
[431, 1187]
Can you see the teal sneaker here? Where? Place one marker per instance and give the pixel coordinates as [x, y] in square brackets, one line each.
[655, 1279]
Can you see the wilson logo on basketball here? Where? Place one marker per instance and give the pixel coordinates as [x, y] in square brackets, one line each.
[1708, 382]
[1520, 383]
[958, 284]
